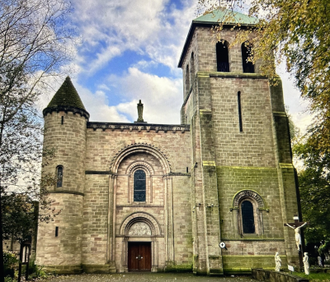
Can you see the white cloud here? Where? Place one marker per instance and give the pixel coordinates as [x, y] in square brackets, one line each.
[109, 28]
[97, 106]
[161, 96]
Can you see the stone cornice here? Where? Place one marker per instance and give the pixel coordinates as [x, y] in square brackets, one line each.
[139, 127]
[66, 109]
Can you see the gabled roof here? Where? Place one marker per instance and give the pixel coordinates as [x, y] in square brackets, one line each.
[66, 98]
[215, 17]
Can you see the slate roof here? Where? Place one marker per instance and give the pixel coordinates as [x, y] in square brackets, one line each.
[66, 99]
[66, 95]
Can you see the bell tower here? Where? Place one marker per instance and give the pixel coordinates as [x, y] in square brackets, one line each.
[243, 182]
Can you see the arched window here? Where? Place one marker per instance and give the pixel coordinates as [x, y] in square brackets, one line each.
[59, 176]
[222, 56]
[249, 207]
[247, 217]
[247, 55]
[139, 186]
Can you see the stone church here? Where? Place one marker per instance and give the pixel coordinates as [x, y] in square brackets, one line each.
[210, 195]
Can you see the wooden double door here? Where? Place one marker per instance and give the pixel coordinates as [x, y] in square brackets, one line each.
[139, 256]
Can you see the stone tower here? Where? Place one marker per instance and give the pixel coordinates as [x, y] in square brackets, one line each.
[243, 181]
[65, 133]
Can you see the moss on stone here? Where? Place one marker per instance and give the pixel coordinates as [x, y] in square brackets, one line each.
[67, 96]
[179, 268]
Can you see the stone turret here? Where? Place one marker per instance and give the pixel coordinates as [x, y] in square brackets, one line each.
[65, 133]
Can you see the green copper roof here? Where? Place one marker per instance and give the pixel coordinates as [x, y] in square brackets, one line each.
[227, 17]
[66, 96]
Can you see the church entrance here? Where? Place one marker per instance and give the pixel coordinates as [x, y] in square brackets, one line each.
[139, 256]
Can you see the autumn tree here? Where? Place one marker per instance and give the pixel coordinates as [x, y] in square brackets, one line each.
[33, 45]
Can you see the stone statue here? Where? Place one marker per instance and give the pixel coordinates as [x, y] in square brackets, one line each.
[140, 111]
[297, 235]
[306, 263]
[278, 262]
[319, 261]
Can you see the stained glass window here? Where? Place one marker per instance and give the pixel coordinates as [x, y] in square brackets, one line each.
[139, 186]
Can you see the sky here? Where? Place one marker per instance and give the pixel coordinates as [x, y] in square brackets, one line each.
[129, 50]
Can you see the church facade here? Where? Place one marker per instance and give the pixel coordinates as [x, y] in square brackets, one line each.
[210, 195]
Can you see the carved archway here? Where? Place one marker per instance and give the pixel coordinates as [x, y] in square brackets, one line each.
[140, 227]
[140, 148]
[142, 217]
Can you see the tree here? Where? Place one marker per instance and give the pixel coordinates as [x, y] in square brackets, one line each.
[314, 183]
[297, 32]
[33, 45]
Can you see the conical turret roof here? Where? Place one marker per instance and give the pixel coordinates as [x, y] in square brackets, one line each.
[66, 95]
[66, 98]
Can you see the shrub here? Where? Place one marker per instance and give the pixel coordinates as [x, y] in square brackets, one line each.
[10, 263]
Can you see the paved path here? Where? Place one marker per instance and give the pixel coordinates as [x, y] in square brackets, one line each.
[148, 277]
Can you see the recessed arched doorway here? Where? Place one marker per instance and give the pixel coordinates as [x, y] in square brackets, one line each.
[141, 243]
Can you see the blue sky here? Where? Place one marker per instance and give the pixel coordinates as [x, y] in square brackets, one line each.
[129, 50]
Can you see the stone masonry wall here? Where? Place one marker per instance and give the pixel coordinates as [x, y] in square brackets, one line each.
[68, 140]
[171, 213]
[63, 250]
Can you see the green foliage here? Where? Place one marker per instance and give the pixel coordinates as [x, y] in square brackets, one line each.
[314, 183]
[314, 277]
[10, 263]
[36, 271]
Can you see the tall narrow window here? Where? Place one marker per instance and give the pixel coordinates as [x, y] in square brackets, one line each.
[222, 56]
[139, 186]
[239, 111]
[187, 79]
[192, 68]
[247, 217]
[247, 56]
[59, 176]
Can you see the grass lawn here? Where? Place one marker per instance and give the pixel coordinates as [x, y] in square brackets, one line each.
[317, 277]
